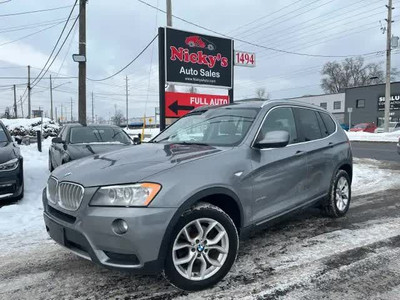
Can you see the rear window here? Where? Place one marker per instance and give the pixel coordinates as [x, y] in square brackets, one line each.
[90, 134]
[308, 123]
[329, 123]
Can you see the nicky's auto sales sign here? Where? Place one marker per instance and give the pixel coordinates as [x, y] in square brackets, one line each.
[197, 59]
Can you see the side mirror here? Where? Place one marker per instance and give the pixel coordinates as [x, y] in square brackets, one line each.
[57, 140]
[274, 139]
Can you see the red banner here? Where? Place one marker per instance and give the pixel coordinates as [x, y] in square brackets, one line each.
[179, 104]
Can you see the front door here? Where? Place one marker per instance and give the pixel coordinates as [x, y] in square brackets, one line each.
[280, 174]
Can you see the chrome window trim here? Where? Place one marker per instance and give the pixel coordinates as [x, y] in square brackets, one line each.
[292, 106]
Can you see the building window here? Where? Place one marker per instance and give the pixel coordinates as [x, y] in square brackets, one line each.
[324, 105]
[337, 105]
[360, 103]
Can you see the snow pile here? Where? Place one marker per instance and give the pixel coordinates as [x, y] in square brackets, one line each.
[21, 224]
[374, 137]
[24, 127]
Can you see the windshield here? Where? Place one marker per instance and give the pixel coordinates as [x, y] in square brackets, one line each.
[225, 126]
[92, 134]
[3, 135]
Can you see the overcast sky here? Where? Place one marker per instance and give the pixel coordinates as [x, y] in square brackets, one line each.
[118, 30]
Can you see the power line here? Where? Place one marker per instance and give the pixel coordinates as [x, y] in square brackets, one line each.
[34, 11]
[131, 62]
[58, 52]
[58, 40]
[32, 25]
[252, 43]
[31, 34]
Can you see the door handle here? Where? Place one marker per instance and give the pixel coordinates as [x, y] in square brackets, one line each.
[330, 144]
[299, 152]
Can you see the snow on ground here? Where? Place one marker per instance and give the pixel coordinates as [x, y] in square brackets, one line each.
[33, 123]
[374, 137]
[21, 224]
[369, 176]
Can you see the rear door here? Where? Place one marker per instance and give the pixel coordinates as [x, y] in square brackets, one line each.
[320, 150]
[279, 174]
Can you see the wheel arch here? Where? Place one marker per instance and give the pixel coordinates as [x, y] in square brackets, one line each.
[218, 196]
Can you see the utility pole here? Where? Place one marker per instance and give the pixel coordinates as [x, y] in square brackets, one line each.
[71, 111]
[126, 92]
[388, 64]
[22, 106]
[82, 64]
[92, 109]
[56, 114]
[15, 102]
[169, 13]
[29, 92]
[171, 87]
[51, 98]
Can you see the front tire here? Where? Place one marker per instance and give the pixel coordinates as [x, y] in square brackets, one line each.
[202, 249]
[338, 201]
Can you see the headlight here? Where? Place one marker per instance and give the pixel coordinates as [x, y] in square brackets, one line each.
[9, 165]
[140, 194]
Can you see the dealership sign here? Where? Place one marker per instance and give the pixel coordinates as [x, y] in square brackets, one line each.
[197, 59]
[179, 104]
[394, 103]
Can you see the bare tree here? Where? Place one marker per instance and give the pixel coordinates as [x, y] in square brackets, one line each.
[350, 73]
[262, 93]
[118, 118]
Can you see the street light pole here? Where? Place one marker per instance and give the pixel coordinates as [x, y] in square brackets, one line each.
[126, 92]
[388, 64]
[82, 64]
[51, 98]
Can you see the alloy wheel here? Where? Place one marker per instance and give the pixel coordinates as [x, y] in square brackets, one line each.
[342, 194]
[200, 249]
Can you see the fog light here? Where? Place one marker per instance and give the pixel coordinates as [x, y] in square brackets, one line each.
[119, 226]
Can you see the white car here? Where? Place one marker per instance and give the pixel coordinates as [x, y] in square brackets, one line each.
[393, 126]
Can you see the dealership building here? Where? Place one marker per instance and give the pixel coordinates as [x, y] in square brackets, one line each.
[364, 104]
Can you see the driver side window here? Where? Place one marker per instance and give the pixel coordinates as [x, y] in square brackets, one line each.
[279, 119]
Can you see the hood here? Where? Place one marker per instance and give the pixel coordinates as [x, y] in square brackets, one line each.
[131, 164]
[76, 151]
[7, 152]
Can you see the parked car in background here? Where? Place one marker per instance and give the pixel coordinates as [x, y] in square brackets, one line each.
[76, 141]
[345, 127]
[11, 168]
[179, 203]
[364, 127]
[393, 126]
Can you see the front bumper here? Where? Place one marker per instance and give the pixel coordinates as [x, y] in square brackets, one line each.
[11, 183]
[89, 234]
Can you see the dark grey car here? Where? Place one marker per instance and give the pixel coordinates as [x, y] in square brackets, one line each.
[11, 168]
[179, 203]
[76, 141]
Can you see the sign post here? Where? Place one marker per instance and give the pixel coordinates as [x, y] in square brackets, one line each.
[349, 110]
[191, 59]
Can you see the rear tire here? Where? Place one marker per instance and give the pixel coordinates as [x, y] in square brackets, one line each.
[339, 198]
[202, 249]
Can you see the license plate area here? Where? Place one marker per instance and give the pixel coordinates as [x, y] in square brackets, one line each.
[57, 233]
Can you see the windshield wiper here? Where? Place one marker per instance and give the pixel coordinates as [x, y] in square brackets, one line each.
[191, 143]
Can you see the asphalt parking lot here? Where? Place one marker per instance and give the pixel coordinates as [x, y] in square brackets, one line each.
[374, 150]
[305, 257]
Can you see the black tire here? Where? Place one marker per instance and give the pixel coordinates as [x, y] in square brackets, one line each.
[202, 211]
[331, 204]
[20, 196]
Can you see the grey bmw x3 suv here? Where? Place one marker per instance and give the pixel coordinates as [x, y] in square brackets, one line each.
[180, 203]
